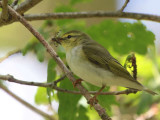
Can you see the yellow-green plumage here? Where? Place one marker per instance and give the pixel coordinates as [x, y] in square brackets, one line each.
[94, 64]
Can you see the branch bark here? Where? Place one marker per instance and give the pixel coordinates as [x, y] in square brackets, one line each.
[28, 105]
[93, 14]
[22, 8]
[26, 5]
[101, 111]
[4, 15]
[124, 6]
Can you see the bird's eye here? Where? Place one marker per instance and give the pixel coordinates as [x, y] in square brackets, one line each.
[69, 36]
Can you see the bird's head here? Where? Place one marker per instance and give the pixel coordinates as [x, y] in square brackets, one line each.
[71, 39]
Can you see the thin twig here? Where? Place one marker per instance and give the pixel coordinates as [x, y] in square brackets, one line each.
[93, 14]
[124, 6]
[28, 105]
[79, 15]
[26, 5]
[60, 79]
[53, 86]
[9, 54]
[101, 111]
[4, 15]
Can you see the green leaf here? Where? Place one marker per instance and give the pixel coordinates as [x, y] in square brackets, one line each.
[41, 96]
[73, 2]
[107, 101]
[40, 51]
[35, 45]
[51, 75]
[30, 46]
[82, 113]
[61, 54]
[10, 2]
[67, 102]
[123, 37]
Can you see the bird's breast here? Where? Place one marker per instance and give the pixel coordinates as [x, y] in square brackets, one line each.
[80, 66]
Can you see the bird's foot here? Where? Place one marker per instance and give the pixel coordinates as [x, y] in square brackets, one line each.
[131, 90]
[78, 81]
[92, 101]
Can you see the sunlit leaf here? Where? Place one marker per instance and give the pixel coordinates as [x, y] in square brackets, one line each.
[41, 96]
[40, 50]
[51, 75]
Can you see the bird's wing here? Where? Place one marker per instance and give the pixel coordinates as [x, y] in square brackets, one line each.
[99, 56]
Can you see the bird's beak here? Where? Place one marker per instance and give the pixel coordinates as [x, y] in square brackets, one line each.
[57, 40]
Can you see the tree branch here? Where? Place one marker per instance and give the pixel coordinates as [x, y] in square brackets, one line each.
[53, 85]
[4, 15]
[26, 5]
[93, 14]
[124, 6]
[22, 8]
[26, 103]
[101, 111]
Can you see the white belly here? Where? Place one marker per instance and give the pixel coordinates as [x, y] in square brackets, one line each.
[85, 70]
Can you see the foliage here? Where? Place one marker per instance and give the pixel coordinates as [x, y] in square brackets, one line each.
[51, 75]
[120, 35]
[35, 45]
[41, 96]
[68, 102]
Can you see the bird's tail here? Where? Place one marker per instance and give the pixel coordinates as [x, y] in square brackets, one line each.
[150, 91]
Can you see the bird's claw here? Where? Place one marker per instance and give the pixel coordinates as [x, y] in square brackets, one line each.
[78, 81]
[131, 90]
[92, 101]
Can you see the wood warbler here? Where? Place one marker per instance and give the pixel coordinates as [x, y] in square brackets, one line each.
[94, 64]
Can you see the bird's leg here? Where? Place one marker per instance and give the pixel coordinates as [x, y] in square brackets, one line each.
[78, 81]
[94, 100]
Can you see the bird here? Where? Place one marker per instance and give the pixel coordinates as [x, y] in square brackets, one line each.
[94, 64]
